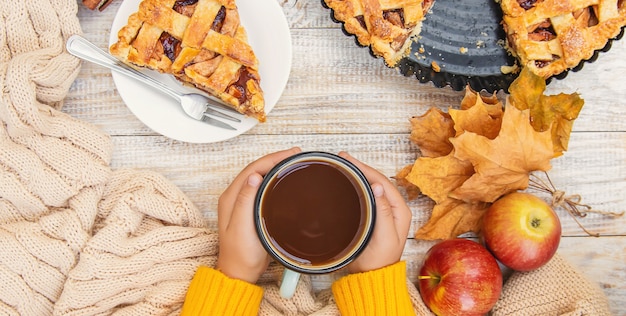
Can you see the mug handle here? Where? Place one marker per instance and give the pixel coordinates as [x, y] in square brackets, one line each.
[289, 283]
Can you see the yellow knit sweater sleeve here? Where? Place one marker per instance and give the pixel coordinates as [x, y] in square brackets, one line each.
[379, 292]
[213, 293]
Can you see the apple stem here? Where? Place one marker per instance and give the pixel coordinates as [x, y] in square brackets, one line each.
[428, 277]
[535, 222]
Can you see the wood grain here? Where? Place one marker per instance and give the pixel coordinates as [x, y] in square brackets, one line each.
[341, 98]
[204, 171]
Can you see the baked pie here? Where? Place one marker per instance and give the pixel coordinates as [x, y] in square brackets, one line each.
[551, 36]
[386, 26]
[201, 43]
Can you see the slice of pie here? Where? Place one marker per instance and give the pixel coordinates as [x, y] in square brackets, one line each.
[386, 26]
[551, 36]
[201, 43]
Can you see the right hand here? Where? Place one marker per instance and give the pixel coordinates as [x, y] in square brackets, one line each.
[393, 219]
[241, 255]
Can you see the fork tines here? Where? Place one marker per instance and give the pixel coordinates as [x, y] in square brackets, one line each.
[214, 112]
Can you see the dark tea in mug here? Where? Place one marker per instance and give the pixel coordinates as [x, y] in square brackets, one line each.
[315, 213]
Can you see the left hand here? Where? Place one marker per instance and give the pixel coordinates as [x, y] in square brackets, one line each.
[241, 255]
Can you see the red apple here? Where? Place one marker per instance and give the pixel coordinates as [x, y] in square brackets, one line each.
[459, 277]
[522, 231]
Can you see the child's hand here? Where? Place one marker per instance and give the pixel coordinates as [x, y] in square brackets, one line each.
[393, 219]
[241, 255]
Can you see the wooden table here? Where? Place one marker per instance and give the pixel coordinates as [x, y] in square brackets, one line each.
[340, 98]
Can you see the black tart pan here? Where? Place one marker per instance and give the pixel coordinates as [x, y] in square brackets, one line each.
[465, 41]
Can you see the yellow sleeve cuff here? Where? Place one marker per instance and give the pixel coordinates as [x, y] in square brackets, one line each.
[378, 292]
[213, 293]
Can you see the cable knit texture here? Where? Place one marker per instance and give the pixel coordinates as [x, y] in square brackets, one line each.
[78, 238]
[554, 289]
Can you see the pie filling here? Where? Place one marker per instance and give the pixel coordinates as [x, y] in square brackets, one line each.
[185, 7]
[527, 4]
[170, 46]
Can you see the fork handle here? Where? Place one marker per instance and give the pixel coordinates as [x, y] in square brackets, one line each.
[84, 49]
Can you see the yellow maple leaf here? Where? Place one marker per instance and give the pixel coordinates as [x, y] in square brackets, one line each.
[437, 177]
[503, 164]
[471, 97]
[431, 132]
[451, 218]
[555, 112]
[411, 189]
[480, 118]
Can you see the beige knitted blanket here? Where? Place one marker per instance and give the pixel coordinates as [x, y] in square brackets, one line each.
[78, 238]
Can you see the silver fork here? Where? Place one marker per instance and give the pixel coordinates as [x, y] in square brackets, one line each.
[195, 105]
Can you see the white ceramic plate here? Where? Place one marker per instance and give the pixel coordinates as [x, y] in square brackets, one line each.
[270, 38]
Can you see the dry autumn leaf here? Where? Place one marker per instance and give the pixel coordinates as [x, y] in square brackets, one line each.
[502, 165]
[412, 191]
[555, 112]
[451, 218]
[437, 177]
[471, 97]
[482, 118]
[431, 132]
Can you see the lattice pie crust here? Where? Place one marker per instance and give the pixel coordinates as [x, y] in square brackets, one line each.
[550, 36]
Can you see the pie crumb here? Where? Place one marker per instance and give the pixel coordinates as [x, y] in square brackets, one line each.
[435, 66]
[509, 69]
[463, 50]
